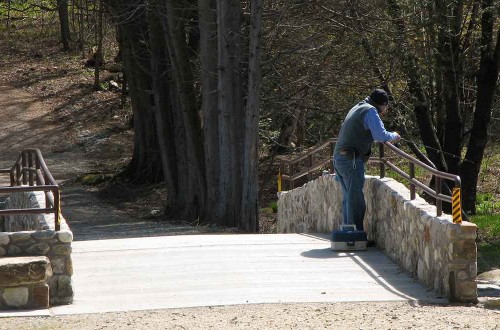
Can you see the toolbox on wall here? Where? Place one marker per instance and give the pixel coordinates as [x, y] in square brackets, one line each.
[349, 239]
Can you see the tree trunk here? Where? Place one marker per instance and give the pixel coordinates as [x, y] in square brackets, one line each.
[99, 52]
[145, 165]
[175, 39]
[487, 81]
[209, 108]
[230, 99]
[250, 202]
[421, 103]
[7, 22]
[62, 8]
[449, 50]
[162, 108]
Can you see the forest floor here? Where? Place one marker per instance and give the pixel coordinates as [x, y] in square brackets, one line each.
[48, 101]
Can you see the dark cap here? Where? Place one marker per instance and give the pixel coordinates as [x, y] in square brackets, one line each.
[379, 96]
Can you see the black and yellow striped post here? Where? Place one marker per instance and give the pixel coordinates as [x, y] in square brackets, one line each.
[456, 206]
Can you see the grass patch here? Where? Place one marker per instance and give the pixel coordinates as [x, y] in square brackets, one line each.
[94, 179]
[488, 224]
[488, 257]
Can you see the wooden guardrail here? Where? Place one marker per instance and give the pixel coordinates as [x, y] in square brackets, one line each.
[30, 173]
[292, 170]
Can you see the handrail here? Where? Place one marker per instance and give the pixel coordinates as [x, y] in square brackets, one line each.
[30, 173]
[384, 162]
[311, 167]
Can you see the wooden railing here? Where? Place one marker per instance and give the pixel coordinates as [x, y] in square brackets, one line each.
[30, 173]
[292, 170]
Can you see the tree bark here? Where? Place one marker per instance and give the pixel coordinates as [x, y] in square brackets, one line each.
[230, 99]
[487, 81]
[145, 165]
[450, 16]
[99, 52]
[62, 8]
[209, 107]
[250, 203]
[175, 39]
[420, 101]
[163, 108]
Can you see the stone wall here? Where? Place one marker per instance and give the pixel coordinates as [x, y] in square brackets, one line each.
[434, 249]
[56, 245]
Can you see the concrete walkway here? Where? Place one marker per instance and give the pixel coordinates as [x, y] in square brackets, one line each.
[208, 270]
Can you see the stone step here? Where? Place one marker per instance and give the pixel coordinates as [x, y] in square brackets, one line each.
[23, 282]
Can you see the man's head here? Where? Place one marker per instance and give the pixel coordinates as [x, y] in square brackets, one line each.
[379, 99]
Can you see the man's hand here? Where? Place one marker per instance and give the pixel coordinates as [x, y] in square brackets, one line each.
[397, 139]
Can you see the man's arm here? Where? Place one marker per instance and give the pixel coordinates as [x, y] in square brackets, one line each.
[376, 126]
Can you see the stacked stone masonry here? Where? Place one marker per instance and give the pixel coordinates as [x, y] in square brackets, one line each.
[23, 282]
[434, 249]
[39, 238]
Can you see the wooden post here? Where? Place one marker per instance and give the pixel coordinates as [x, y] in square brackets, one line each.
[332, 150]
[30, 167]
[412, 176]
[57, 211]
[24, 166]
[439, 202]
[381, 164]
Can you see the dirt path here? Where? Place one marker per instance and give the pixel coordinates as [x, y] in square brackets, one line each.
[71, 152]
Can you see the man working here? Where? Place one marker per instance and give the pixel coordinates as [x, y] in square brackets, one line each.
[360, 128]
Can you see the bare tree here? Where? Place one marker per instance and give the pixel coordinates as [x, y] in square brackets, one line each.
[62, 8]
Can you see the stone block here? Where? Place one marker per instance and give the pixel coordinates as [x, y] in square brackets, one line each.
[65, 236]
[466, 291]
[44, 235]
[464, 249]
[69, 266]
[14, 251]
[64, 286]
[2, 252]
[465, 230]
[16, 297]
[58, 265]
[39, 249]
[20, 236]
[24, 270]
[61, 250]
[4, 239]
[41, 296]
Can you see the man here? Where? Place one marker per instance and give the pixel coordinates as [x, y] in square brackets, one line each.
[360, 128]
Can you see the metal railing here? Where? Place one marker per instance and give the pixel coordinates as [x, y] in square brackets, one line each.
[30, 173]
[313, 167]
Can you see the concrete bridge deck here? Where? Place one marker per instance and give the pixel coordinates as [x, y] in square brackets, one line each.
[208, 270]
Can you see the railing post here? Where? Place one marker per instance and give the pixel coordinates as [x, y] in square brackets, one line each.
[439, 202]
[47, 199]
[309, 175]
[412, 176]
[280, 180]
[18, 174]
[37, 167]
[30, 168]
[57, 220]
[332, 150]
[25, 165]
[381, 156]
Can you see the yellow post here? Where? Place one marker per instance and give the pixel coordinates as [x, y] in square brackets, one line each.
[456, 206]
[279, 180]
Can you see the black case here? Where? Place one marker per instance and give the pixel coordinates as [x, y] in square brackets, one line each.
[349, 239]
